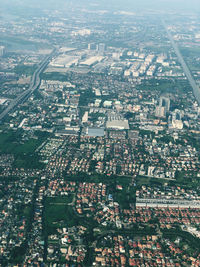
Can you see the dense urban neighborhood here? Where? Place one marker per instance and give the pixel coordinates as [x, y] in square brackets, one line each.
[99, 137]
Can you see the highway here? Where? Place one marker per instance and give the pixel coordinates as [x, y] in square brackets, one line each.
[195, 87]
[35, 82]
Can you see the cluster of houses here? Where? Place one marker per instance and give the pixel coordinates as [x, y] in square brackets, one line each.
[67, 246]
[150, 250]
[15, 206]
[35, 250]
[121, 156]
[96, 201]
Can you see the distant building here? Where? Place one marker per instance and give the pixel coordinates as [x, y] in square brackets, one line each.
[92, 61]
[81, 32]
[91, 46]
[177, 120]
[163, 108]
[165, 102]
[95, 132]
[85, 117]
[66, 132]
[177, 124]
[151, 70]
[116, 56]
[107, 104]
[101, 48]
[127, 73]
[160, 112]
[2, 50]
[117, 124]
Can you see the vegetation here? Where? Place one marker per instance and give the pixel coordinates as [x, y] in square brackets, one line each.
[10, 143]
[25, 70]
[86, 97]
[56, 76]
[165, 86]
[192, 241]
[94, 116]
[24, 152]
[18, 253]
[58, 212]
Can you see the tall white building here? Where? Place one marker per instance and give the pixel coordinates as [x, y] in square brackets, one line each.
[160, 112]
[163, 108]
[85, 117]
[2, 50]
[177, 119]
[101, 48]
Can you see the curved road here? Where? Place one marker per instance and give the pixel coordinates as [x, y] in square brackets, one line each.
[35, 82]
[195, 87]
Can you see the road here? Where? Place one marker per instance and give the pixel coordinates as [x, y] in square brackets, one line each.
[35, 82]
[195, 87]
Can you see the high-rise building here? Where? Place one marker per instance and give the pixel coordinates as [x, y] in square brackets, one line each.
[2, 50]
[165, 102]
[163, 108]
[91, 46]
[160, 112]
[101, 48]
[177, 119]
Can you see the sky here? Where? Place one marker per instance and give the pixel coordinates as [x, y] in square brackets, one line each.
[131, 5]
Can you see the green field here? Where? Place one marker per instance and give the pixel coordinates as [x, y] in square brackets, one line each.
[25, 70]
[54, 76]
[59, 213]
[10, 143]
[165, 86]
[24, 152]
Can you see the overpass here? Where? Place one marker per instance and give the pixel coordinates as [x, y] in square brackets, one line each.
[34, 84]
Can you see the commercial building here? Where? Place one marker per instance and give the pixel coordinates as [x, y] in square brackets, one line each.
[95, 132]
[117, 124]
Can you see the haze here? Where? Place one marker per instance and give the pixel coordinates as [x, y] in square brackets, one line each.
[131, 5]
